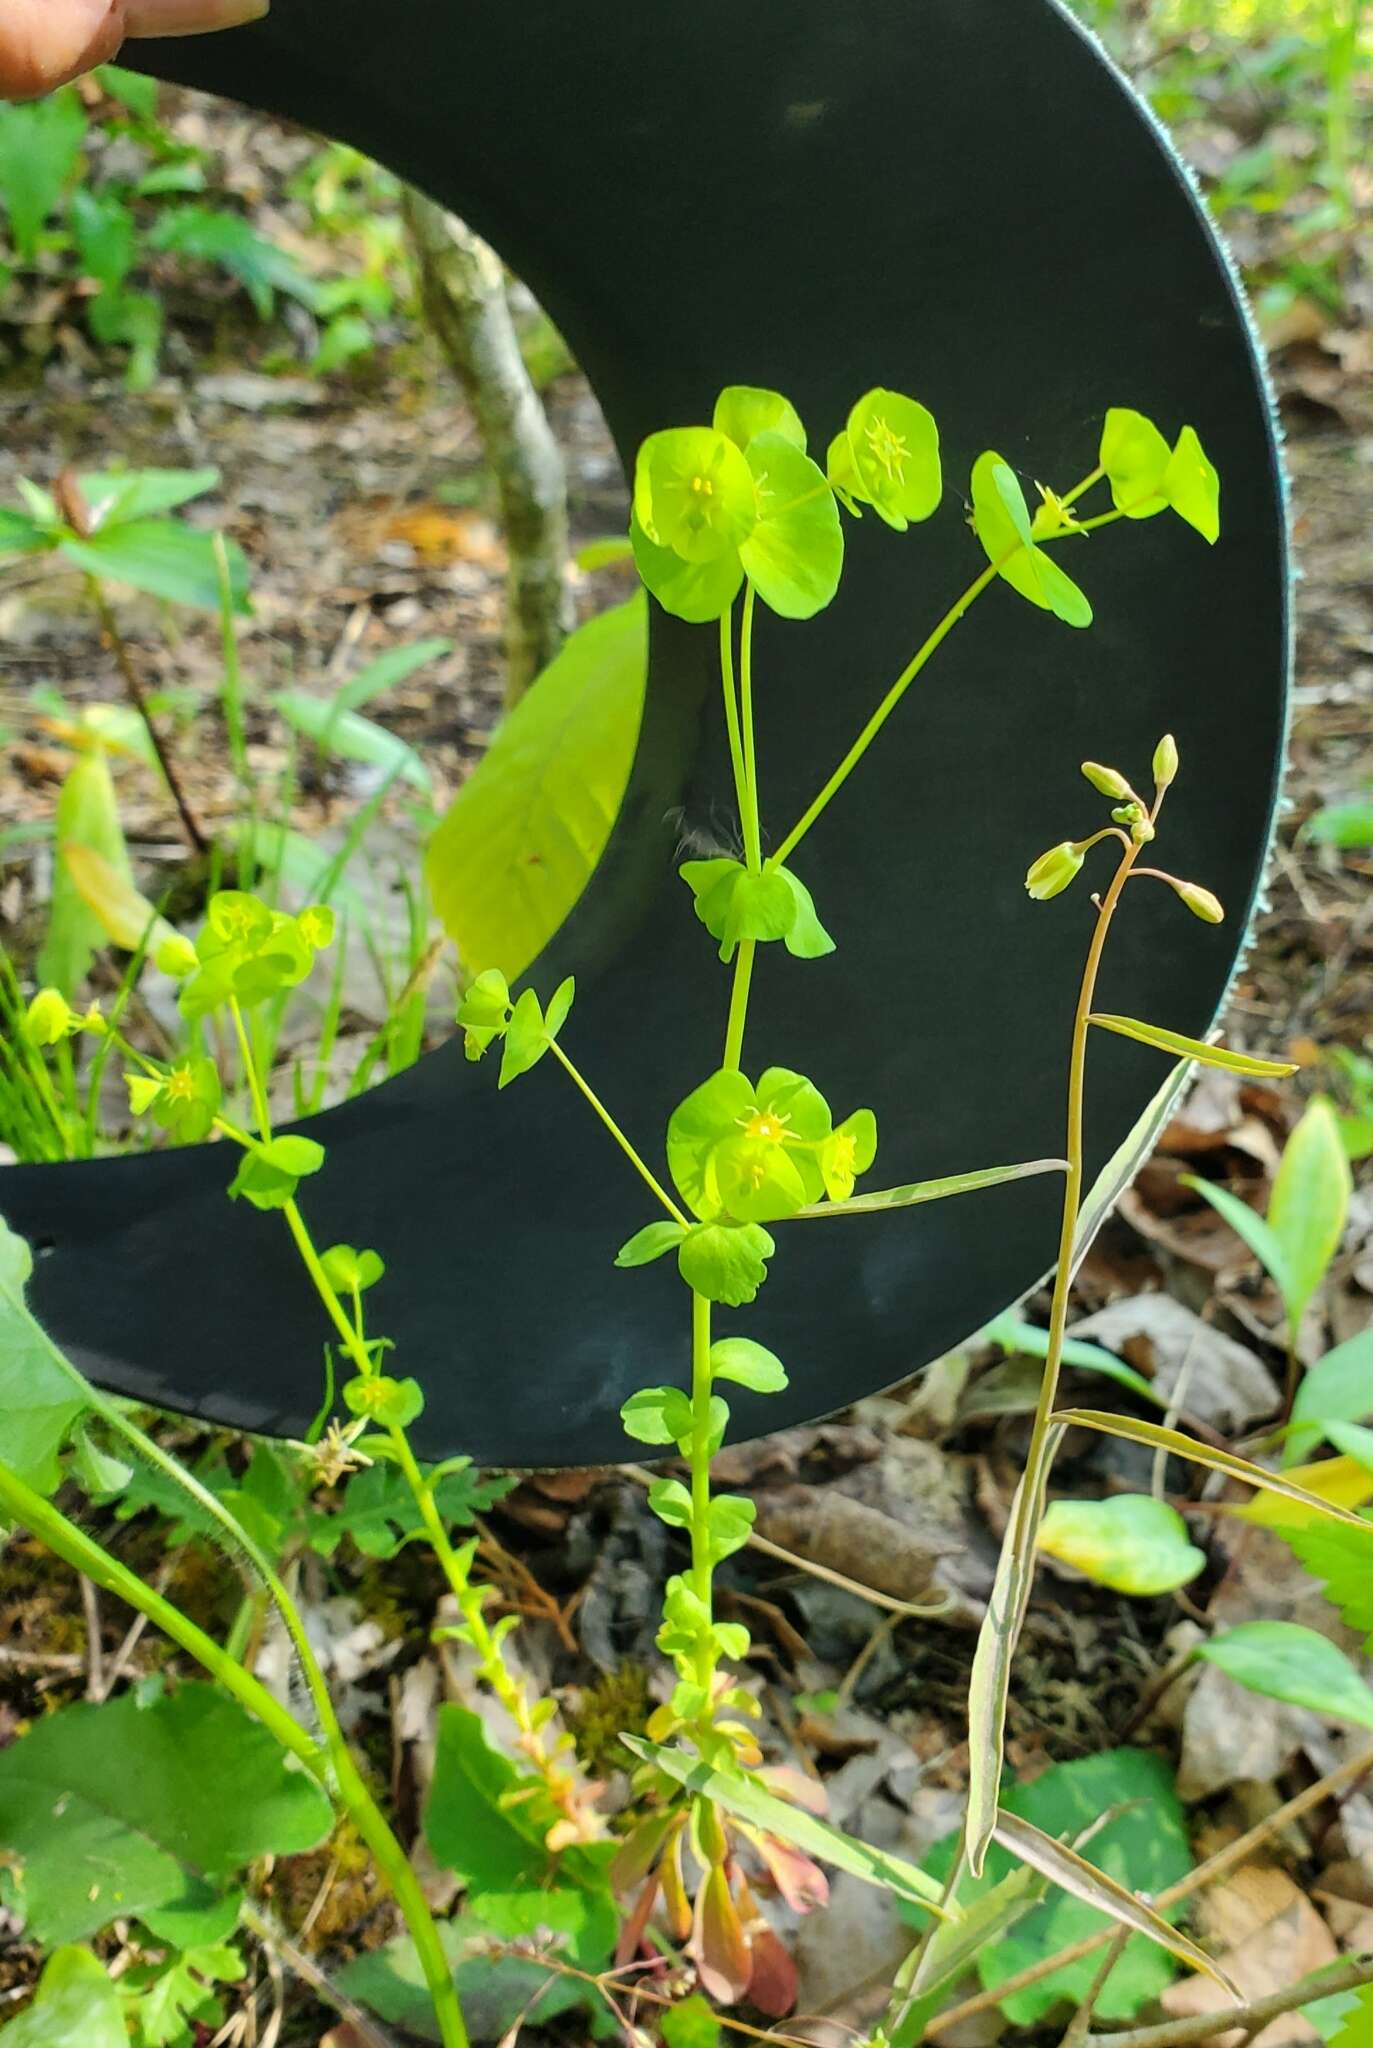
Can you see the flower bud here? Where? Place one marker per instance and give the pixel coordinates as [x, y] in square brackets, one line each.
[1141, 831]
[1165, 761]
[1053, 871]
[176, 957]
[1109, 781]
[1201, 902]
[48, 1018]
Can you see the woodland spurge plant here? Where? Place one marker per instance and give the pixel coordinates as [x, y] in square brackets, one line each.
[725, 515]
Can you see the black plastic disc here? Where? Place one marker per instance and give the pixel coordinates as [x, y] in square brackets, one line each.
[955, 198]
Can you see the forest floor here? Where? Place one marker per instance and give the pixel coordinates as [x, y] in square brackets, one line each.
[364, 508]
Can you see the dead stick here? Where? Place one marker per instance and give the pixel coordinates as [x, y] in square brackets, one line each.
[1206, 1873]
[135, 689]
[1254, 2014]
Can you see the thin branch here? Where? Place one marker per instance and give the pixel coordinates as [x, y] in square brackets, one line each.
[1251, 2016]
[134, 686]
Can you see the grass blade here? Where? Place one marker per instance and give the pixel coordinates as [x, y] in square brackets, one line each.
[1157, 1438]
[1195, 1048]
[917, 1191]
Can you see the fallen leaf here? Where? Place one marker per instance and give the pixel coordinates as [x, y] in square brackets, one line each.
[1266, 1935]
[1227, 1385]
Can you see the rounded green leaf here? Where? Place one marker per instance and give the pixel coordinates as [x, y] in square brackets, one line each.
[526, 1038]
[731, 1524]
[795, 554]
[671, 1502]
[1131, 1543]
[726, 1262]
[1002, 520]
[1135, 457]
[894, 451]
[807, 938]
[694, 591]
[745, 410]
[1283, 1661]
[1193, 487]
[748, 1365]
[649, 1243]
[693, 493]
[656, 1415]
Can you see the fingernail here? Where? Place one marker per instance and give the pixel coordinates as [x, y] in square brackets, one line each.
[190, 17]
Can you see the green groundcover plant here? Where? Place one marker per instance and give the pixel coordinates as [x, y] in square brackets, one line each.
[655, 1919]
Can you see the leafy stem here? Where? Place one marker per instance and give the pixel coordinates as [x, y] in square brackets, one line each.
[330, 1763]
[702, 1570]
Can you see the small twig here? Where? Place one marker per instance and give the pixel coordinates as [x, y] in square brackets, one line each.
[95, 1663]
[1251, 2016]
[1082, 2018]
[875, 1641]
[909, 1608]
[134, 686]
[276, 1942]
[1210, 1872]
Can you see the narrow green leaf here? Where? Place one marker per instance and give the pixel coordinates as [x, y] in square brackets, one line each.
[115, 497]
[389, 669]
[1338, 1388]
[1283, 1661]
[1179, 1044]
[1028, 1340]
[1247, 1224]
[1125, 1162]
[1157, 1438]
[1073, 1874]
[751, 1801]
[164, 558]
[1309, 1204]
[932, 1190]
[350, 736]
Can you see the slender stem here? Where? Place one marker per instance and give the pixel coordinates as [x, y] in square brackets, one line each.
[869, 733]
[76, 1549]
[738, 1004]
[1080, 490]
[250, 1072]
[644, 1172]
[700, 1468]
[1251, 2017]
[736, 750]
[189, 822]
[753, 845]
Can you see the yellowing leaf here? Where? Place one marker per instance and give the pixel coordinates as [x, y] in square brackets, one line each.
[1343, 1482]
[1131, 1542]
[125, 917]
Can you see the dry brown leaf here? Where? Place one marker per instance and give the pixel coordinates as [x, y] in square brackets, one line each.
[1226, 1385]
[1267, 1936]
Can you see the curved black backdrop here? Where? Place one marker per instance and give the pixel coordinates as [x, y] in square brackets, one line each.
[954, 197]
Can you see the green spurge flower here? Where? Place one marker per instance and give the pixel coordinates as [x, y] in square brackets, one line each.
[1001, 519]
[756, 1154]
[734, 904]
[184, 1101]
[738, 498]
[247, 952]
[1147, 476]
[888, 457]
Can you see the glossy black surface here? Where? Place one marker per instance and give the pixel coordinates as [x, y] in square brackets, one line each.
[953, 197]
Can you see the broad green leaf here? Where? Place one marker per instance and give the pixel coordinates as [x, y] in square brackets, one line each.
[87, 815]
[1129, 1542]
[743, 1794]
[747, 1364]
[726, 1262]
[39, 146]
[39, 1405]
[1249, 1225]
[1342, 1559]
[20, 535]
[496, 1992]
[117, 497]
[379, 1515]
[691, 2024]
[1284, 1661]
[478, 1825]
[794, 556]
[1344, 825]
[525, 833]
[131, 88]
[1125, 1162]
[1122, 1809]
[1135, 457]
[656, 1415]
[1338, 1388]
[207, 234]
[77, 2006]
[1181, 1046]
[1082, 1880]
[351, 737]
[1309, 1204]
[164, 558]
[1015, 1335]
[119, 1809]
[933, 1190]
[1195, 1452]
[743, 410]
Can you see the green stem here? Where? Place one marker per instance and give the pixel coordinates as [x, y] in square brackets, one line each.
[250, 1072]
[76, 1549]
[701, 1567]
[753, 845]
[738, 1004]
[644, 1172]
[736, 750]
[831, 788]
